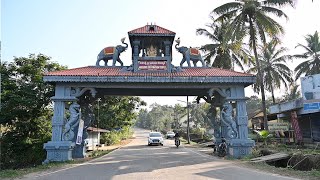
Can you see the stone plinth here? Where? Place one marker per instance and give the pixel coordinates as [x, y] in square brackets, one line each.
[59, 150]
[240, 147]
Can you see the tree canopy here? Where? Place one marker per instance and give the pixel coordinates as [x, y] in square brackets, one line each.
[251, 18]
[26, 110]
[311, 56]
[24, 94]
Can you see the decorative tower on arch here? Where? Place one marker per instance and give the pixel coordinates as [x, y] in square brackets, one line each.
[151, 48]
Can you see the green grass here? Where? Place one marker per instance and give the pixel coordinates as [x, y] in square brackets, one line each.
[99, 153]
[10, 173]
[14, 173]
[184, 141]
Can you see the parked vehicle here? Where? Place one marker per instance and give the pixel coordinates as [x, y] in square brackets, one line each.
[222, 148]
[155, 138]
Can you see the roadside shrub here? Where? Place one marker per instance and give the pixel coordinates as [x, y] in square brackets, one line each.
[114, 137]
[125, 133]
[21, 147]
[197, 132]
[111, 138]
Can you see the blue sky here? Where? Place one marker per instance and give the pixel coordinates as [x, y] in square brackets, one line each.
[73, 32]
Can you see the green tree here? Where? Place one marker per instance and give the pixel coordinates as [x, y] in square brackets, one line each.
[311, 65]
[253, 103]
[222, 54]
[160, 118]
[292, 94]
[143, 119]
[117, 111]
[24, 94]
[198, 115]
[251, 18]
[179, 112]
[26, 110]
[274, 68]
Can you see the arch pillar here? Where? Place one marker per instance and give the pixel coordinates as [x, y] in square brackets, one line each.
[59, 149]
[64, 131]
[242, 145]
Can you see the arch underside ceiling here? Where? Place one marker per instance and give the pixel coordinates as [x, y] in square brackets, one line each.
[152, 89]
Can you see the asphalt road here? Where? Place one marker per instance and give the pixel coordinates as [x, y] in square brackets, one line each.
[139, 161]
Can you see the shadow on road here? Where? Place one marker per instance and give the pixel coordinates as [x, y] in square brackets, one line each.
[144, 158]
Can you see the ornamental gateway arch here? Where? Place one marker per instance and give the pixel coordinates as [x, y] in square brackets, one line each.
[151, 74]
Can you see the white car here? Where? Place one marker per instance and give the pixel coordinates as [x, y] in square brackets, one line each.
[155, 138]
[170, 135]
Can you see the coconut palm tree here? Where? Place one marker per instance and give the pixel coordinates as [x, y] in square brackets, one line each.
[311, 65]
[293, 93]
[274, 68]
[250, 18]
[222, 54]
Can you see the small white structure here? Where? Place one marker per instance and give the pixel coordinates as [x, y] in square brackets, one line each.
[93, 140]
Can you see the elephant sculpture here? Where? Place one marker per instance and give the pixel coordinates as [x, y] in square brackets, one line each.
[192, 54]
[112, 53]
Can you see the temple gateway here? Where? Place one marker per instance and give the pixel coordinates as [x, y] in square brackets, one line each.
[150, 74]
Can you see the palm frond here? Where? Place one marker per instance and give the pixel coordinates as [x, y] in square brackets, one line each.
[279, 3]
[274, 11]
[225, 8]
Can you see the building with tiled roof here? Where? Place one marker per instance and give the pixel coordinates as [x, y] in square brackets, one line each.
[151, 30]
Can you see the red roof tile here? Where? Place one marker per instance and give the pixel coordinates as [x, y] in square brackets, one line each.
[116, 71]
[156, 30]
[97, 129]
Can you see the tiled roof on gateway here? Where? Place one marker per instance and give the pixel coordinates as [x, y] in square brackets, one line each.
[152, 29]
[116, 71]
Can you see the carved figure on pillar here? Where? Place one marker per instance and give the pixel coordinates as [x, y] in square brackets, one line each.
[212, 114]
[87, 115]
[226, 118]
[73, 121]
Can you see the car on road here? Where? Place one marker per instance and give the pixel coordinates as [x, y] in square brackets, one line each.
[155, 138]
[170, 135]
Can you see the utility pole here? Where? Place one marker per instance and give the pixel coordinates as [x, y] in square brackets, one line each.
[188, 121]
[99, 99]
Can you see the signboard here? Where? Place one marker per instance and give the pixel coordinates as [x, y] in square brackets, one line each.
[310, 87]
[80, 132]
[278, 126]
[311, 106]
[152, 65]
